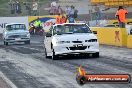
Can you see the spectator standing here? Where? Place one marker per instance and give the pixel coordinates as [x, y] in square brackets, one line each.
[17, 7]
[67, 11]
[72, 11]
[28, 8]
[121, 16]
[35, 8]
[59, 10]
[71, 19]
[12, 6]
[63, 19]
[56, 10]
[75, 13]
[58, 19]
[51, 11]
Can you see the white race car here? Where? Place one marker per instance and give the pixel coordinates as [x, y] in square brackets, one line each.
[70, 38]
[16, 32]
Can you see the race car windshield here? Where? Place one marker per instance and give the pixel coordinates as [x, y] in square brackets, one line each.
[16, 27]
[70, 29]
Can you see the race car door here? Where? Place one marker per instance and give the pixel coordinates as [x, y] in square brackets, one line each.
[47, 41]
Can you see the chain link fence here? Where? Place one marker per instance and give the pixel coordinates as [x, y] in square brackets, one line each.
[24, 7]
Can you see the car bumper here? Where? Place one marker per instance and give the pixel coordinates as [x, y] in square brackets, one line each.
[17, 39]
[62, 50]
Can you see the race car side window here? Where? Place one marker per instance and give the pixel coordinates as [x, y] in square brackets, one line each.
[54, 30]
[58, 30]
[50, 30]
[9, 27]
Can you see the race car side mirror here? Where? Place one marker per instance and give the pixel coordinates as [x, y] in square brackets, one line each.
[48, 34]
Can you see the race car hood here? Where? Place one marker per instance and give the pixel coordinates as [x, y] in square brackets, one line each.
[74, 37]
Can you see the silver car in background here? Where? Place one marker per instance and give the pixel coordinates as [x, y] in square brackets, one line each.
[16, 32]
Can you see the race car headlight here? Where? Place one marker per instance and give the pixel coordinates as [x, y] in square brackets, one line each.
[62, 42]
[28, 35]
[91, 40]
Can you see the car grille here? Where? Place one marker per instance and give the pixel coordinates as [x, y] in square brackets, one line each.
[78, 48]
[77, 41]
[17, 36]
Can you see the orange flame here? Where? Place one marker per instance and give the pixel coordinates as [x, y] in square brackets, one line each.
[81, 71]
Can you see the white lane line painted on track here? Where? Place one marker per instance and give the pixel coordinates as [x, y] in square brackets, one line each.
[9, 83]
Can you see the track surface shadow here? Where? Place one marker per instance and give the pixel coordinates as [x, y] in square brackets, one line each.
[73, 57]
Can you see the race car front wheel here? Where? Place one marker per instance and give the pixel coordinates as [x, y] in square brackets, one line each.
[5, 43]
[46, 53]
[54, 57]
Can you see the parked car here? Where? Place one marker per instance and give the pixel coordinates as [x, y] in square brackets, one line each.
[128, 27]
[16, 32]
[70, 38]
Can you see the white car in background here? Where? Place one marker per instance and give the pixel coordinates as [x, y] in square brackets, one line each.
[70, 38]
[16, 32]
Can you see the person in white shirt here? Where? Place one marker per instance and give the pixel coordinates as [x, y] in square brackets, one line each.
[67, 11]
[35, 7]
[72, 11]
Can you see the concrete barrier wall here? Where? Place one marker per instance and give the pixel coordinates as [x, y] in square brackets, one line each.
[111, 36]
[129, 41]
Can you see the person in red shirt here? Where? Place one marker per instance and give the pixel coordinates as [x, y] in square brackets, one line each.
[58, 19]
[63, 19]
[121, 15]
